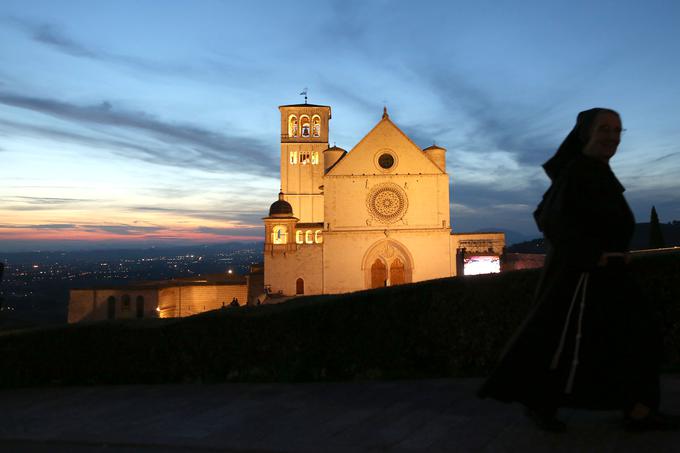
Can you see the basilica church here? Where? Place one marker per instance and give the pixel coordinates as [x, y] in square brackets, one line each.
[378, 215]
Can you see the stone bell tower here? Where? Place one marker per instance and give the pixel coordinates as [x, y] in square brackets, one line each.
[304, 137]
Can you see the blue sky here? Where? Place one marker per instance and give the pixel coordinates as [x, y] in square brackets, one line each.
[149, 122]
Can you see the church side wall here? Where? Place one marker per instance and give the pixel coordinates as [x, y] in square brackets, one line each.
[93, 304]
[180, 301]
[282, 271]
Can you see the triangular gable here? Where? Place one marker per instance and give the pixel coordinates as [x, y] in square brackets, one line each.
[384, 136]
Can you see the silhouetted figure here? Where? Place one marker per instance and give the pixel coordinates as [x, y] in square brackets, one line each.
[589, 341]
[655, 235]
[234, 302]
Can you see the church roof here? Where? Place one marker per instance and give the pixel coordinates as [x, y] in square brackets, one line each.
[304, 105]
[434, 147]
[385, 121]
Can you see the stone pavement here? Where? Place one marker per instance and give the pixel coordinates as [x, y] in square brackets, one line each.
[393, 416]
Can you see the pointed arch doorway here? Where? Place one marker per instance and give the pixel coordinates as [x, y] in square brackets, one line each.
[387, 263]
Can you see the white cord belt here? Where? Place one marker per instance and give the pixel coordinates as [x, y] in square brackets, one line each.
[580, 286]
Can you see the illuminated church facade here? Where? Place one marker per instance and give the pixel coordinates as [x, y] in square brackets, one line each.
[376, 216]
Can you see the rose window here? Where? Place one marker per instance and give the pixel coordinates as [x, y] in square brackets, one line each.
[387, 203]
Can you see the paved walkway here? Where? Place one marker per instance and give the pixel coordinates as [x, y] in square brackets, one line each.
[397, 416]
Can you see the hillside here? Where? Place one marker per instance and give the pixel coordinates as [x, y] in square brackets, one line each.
[446, 327]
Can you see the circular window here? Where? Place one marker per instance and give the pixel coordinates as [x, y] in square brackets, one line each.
[387, 203]
[386, 160]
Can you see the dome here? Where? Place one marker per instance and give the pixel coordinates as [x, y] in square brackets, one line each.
[331, 156]
[280, 208]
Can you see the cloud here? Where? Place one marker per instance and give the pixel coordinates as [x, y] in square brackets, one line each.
[49, 34]
[123, 230]
[23, 203]
[246, 217]
[174, 144]
[48, 200]
[53, 36]
[46, 226]
[254, 231]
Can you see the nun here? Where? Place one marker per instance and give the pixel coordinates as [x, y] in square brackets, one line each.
[590, 341]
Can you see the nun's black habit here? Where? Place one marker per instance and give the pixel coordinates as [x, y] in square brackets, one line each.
[589, 340]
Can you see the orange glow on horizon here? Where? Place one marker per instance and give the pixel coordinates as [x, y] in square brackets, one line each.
[77, 234]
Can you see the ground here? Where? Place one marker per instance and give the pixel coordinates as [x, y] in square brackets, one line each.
[396, 416]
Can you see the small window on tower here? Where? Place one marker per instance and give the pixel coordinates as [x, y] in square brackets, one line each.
[308, 237]
[315, 158]
[292, 126]
[299, 237]
[304, 158]
[293, 157]
[316, 126]
[318, 238]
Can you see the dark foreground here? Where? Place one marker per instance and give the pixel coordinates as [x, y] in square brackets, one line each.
[396, 416]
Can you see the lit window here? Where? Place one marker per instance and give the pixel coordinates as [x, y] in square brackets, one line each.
[318, 238]
[315, 158]
[280, 234]
[308, 236]
[293, 157]
[316, 126]
[292, 126]
[299, 237]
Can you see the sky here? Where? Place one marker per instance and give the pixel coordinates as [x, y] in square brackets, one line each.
[138, 123]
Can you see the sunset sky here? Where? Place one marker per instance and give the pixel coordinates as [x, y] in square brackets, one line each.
[155, 122]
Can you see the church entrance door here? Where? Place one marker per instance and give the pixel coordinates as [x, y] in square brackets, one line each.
[378, 274]
[397, 273]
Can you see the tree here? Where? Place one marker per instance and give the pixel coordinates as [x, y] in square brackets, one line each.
[655, 235]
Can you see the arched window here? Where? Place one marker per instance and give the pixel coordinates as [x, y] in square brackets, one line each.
[308, 237]
[315, 158]
[280, 234]
[125, 302]
[292, 126]
[299, 237]
[378, 274]
[293, 157]
[111, 308]
[139, 306]
[304, 124]
[304, 158]
[299, 286]
[316, 126]
[318, 238]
